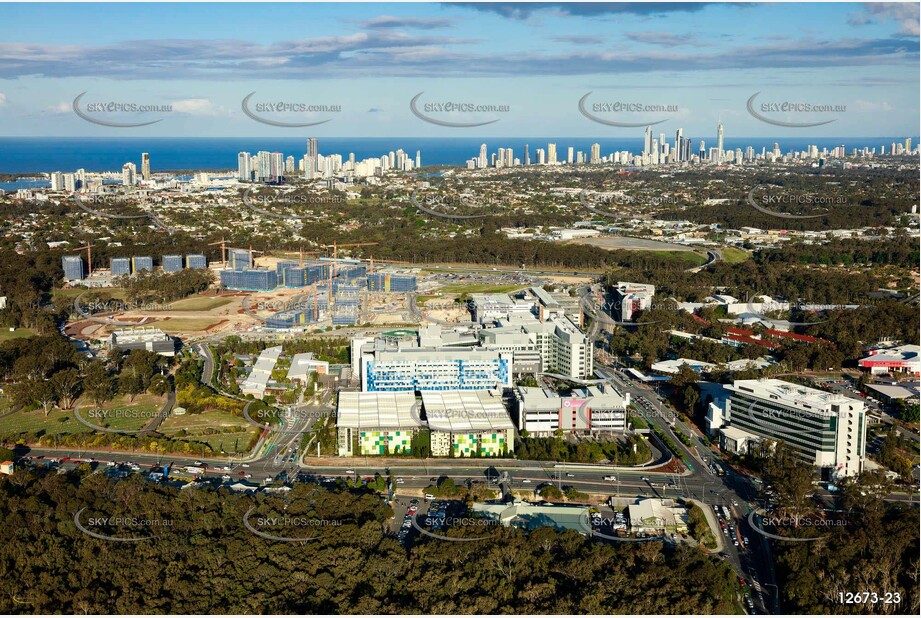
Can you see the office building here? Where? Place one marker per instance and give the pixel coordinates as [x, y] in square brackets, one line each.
[239, 258]
[145, 166]
[171, 263]
[293, 318]
[196, 260]
[143, 338]
[303, 364]
[378, 282]
[120, 266]
[139, 263]
[249, 279]
[542, 412]
[376, 423]
[257, 382]
[73, 267]
[631, 298]
[823, 429]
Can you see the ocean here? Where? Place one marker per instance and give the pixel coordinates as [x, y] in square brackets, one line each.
[98, 154]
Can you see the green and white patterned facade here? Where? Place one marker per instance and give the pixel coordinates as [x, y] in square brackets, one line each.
[384, 442]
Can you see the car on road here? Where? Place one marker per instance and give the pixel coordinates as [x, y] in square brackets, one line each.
[247, 476]
[400, 481]
[645, 478]
[226, 468]
[570, 475]
[244, 465]
[350, 472]
[526, 481]
[429, 497]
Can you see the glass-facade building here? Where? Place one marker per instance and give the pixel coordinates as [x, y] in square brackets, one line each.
[120, 266]
[73, 267]
[378, 282]
[292, 318]
[139, 263]
[172, 263]
[196, 260]
[239, 259]
[249, 279]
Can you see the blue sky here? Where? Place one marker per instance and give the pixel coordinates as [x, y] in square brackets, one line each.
[371, 59]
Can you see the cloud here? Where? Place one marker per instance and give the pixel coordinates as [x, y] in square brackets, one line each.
[869, 106]
[665, 39]
[197, 107]
[60, 108]
[389, 21]
[374, 110]
[3, 99]
[524, 10]
[906, 14]
[387, 53]
[579, 39]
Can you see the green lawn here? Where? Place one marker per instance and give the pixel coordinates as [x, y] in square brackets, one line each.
[20, 333]
[480, 288]
[116, 414]
[181, 325]
[196, 426]
[57, 422]
[72, 293]
[733, 255]
[122, 414]
[197, 303]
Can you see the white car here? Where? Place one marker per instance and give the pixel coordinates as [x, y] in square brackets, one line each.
[244, 465]
[400, 481]
[526, 481]
[226, 468]
[350, 472]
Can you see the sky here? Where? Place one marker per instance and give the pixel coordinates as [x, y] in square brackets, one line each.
[541, 69]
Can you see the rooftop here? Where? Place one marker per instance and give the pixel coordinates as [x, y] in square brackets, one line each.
[379, 410]
[465, 411]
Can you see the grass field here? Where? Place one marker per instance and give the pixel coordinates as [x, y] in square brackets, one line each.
[71, 293]
[19, 333]
[116, 414]
[198, 303]
[480, 288]
[733, 255]
[180, 325]
[195, 426]
[57, 422]
[122, 414]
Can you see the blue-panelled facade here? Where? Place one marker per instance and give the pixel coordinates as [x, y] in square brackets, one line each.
[292, 318]
[239, 259]
[196, 260]
[378, 282]
[172, 263]
[73, 267]
[293, 275]
[249, 279]
[120, 266]
[345, 317]
[403, 373]
[141, 262]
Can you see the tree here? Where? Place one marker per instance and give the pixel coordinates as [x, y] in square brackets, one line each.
[791, 479]
[67, 387]
[98, 383]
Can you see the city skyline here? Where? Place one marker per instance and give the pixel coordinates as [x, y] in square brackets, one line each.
[364, 64]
